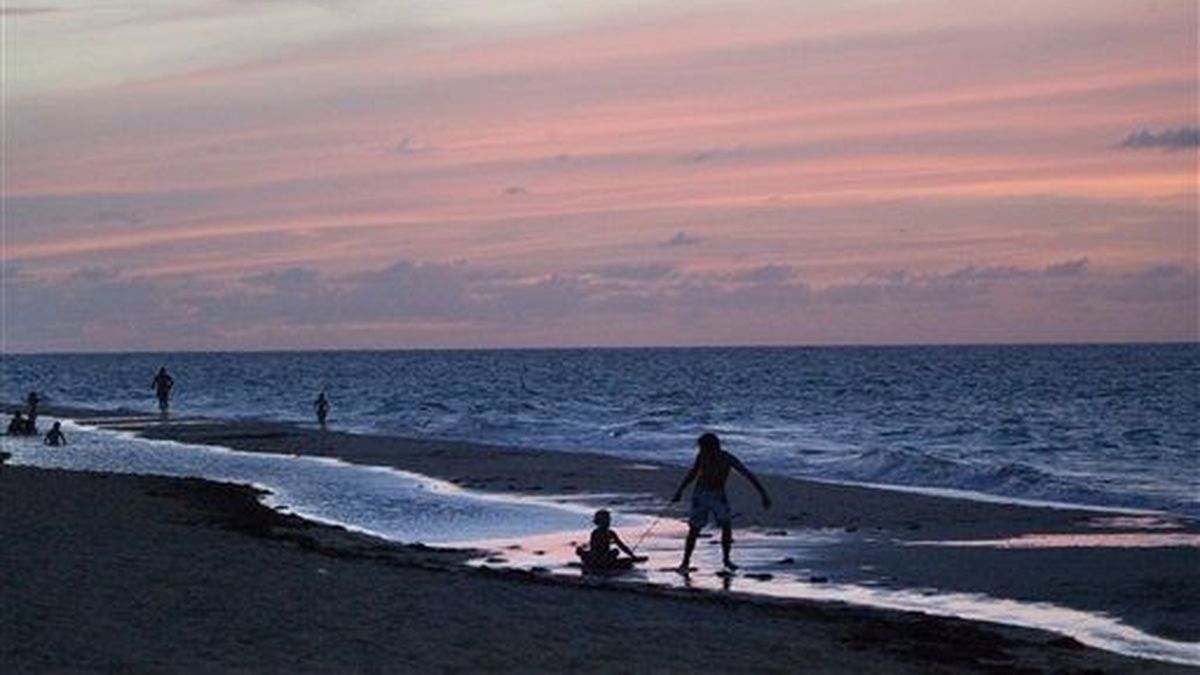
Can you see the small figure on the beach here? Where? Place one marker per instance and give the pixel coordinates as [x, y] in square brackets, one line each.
[55, 436]
[599, 554]
[710, 471]
[18, 425]
[321, 406]
[162, 389]
[32, 400]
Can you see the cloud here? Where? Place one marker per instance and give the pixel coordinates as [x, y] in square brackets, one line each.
[1069, 268]
[626, 272]
[1167, 139]
[408, 145]
[682, 238]
[698, 157]
[119, 217]
[405, 289]
[290, 280]
[1165, 284]
[551, 298]
[953, 293]
[515, 190]
[27, 11]
[767, 274]
[101, 308]
[970, 285]
[439, 303]
[973, 274]
[705, 156]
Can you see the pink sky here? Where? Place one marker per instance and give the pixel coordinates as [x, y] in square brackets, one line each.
[208, 174]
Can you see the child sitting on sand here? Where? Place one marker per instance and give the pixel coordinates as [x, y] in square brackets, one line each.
[599, 554]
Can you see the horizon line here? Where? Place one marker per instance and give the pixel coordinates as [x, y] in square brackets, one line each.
[632, 347]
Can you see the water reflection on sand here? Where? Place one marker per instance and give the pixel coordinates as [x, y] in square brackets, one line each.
[790, 567]
[1075, 540]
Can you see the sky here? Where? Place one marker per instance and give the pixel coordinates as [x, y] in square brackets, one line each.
[300, 174]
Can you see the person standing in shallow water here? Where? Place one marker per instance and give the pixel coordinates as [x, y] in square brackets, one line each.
[162, 389]
[321, 406]
[32, 401]
[55, 436]
[18, 425]
[710, 471]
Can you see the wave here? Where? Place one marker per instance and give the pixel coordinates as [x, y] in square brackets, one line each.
[913, 468]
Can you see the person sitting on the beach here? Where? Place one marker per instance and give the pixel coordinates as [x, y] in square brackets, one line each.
[162, 389]
[17, 426]
[599, 554]
[710, 471]
[321, 405]
[55, 436]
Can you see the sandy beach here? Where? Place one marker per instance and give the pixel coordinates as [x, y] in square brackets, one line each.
[111, 571]
[1150, 588]
[108, 572]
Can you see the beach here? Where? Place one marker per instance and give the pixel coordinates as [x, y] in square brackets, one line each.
[106, 572]
[1153, 586]
[111, 571]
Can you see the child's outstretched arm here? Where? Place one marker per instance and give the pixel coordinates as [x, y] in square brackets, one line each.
[691, 476]
[621, 545]
[741, 468]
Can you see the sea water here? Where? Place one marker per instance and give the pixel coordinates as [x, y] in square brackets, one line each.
[1108, 425]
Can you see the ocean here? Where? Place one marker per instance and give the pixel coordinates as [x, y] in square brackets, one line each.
[1103, 425]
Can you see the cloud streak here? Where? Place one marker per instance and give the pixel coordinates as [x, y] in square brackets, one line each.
[27, 11]
[1182, 138]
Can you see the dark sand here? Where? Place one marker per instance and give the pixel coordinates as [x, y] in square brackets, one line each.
[109, 572]
[117, 572]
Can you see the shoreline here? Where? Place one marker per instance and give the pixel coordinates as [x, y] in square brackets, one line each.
[244, 433]
[206, 431]
[1148, 588]
[210, 578]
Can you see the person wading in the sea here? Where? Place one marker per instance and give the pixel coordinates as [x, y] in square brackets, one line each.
[321, 407]
[710, 471]
[162, 389]
[55, 436]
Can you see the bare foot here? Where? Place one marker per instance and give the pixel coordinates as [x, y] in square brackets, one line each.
[730, 566]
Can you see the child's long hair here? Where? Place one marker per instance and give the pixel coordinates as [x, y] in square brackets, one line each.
[710, 446]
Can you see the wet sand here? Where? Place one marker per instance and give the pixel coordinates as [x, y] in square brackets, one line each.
[111, 572]
[1153, 589]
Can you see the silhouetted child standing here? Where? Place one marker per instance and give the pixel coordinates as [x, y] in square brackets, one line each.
[710, 471]
[599, 553]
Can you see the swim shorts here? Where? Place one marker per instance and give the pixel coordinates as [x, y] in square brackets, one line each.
[705, 502]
